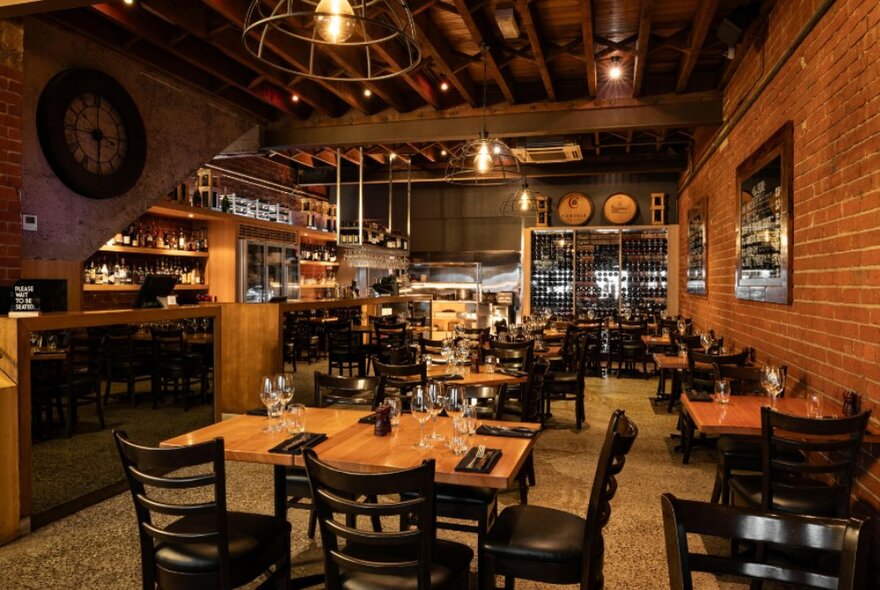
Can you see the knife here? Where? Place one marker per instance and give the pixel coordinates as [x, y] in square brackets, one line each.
[296, 441]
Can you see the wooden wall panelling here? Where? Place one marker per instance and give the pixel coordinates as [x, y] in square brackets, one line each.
[222, 268]
[250, 348]
[71, 270]
[9, 449]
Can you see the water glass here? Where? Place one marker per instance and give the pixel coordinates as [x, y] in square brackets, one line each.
[296, 418]
[722, 391]
[814, 405]
[394, 404]
[491, 362]
[682, 350]
[458, 439]
[470, 418]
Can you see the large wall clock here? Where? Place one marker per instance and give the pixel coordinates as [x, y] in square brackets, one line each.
[91, 133]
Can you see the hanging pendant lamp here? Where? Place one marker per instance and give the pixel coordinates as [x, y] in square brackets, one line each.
[519, 203]
[482, 161]
[294, 35]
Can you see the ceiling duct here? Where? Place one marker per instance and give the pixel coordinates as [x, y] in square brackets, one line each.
[548, 154]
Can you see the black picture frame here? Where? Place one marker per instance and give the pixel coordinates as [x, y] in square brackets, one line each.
[764, 221]
[697, 248]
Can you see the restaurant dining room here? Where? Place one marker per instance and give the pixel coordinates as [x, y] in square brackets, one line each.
[374, 294]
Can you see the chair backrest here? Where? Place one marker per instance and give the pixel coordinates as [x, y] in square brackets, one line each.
[486, 398]
[500, 326]
[340, 337]
[336, 389]
[743, 380]
[830, 447]
[619, 438]
[480, 335]
[402, 378]
[846, 537]
[353, 495]
[390, 334]
[168, 342]
[420, 321]
[146, 468]
[690, 340]
[429, 346]
[531, 397]
[83, 358]
[704, 379]
[513, 355]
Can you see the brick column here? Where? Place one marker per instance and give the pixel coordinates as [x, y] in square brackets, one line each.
[11, 78]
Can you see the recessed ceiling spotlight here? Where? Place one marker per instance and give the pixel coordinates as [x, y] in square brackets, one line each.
[368, 93]
[443, 153]
[129, 2]
[294, 97]
[444, 84]
[392, 156]
[615, 72]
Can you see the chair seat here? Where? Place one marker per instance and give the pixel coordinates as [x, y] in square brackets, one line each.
[537, 534]
[254, 541]
[561, 377]
[474, 496]
[746, 490]
[450, 561]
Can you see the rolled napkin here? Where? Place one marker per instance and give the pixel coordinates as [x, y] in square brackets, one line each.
[296, 444]
[471, 464]
[511, 431]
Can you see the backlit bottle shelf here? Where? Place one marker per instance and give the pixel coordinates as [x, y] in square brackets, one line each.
[125, 288]
[153, 251]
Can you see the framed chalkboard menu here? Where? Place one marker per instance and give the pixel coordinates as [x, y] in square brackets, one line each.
[764, 221]
[697, 246]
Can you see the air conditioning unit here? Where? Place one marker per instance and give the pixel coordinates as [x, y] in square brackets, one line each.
[547, 154]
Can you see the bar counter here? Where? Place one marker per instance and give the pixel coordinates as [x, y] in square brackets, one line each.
[247, 344]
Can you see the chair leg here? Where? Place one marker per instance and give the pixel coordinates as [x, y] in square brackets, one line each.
[716, 487]
[107, 389]
[687, 438]
[486, 571]
[98, 410]
[313, 523]
[68, 425]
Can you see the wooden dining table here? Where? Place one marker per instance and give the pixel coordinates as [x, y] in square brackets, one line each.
[742, 415]
[481, 378]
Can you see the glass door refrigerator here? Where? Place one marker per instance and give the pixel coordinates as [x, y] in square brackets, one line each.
[267, 271]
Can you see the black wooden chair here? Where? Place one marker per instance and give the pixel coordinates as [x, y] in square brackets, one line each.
[387, 338]
[570, 385]
[80, 384]
[556, 547]
[344, 348]
[300, 338]
[398, 381]
[124, 363]
[631, 350]
[428, 346]
[845, 539]
[175, 366]
[356, 558]
[820, 484]
[205, 546]
[344, 391]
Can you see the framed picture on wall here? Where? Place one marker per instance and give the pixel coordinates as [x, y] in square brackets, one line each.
[697, 248]
[764, 231]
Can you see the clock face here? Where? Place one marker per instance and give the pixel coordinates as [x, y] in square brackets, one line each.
[95, 134]
[91, 133]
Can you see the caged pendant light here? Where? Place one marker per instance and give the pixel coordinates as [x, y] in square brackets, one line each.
[519, 203]
[482, 161]
[295, 36]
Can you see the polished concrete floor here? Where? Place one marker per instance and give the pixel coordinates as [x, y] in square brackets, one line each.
[97, 547]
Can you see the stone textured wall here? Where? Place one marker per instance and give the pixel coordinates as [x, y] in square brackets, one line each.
[11, 77]
[830, 88]
[185, 128]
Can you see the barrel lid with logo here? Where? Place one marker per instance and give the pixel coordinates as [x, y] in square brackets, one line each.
[620, 209]
[575, 208]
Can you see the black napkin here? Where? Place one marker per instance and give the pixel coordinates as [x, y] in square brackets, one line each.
[448, 378]
[513, 432]
[257, 412]
[699, 396]
[368, 419]
[513, 372]
[471, 464]
[295, 445]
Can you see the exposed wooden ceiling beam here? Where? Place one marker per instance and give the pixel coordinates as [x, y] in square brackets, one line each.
[193, 17]
[13, 8]
[478, 26]
[531, 24]
[702, 20]
[235, 11]
[642, 42]
[191, 50]
[566, 118]
[624, 46]
[432, 40]
[589, 46]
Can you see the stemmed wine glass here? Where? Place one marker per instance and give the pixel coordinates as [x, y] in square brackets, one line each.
[270, 398]
[421, 406]
[438, 401]
[682, 327]
[773, 382]
[706, 341]
[283, 384]
[454, 401]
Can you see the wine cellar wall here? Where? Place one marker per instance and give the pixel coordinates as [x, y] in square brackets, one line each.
[569, 272]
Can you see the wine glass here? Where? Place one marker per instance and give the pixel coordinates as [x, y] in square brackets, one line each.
[773, 382]
[706, 341]
[437, 398]
[269, 397]
[455, 401]
[682, 327]
[283, 384]
[420, 406]
[722, 391]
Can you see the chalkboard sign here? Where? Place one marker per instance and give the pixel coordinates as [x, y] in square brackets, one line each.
[25, 299]
[764, 227]
[697, 249]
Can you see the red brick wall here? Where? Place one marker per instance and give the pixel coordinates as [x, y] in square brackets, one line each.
[10, 165]
[830, 88]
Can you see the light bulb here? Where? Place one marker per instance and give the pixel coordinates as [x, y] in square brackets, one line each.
[335, 20]
[524, 200]
[496, 150]
[483, 161]
[444, 85]
[615, 73]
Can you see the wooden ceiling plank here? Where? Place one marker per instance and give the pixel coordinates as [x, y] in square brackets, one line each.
[702, 19]
[234, 11]
[193, 17]
[531, 24]
[16, 8]
[624, 46]
[326, 156]
[417, 80]
[642, 42]
[304, 158]
[589, 41]
[353, 155]
[431, 39]
[156, 31]
[478, 26]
